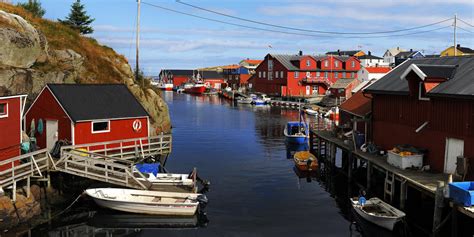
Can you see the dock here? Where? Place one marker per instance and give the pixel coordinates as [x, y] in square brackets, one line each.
[110, 162]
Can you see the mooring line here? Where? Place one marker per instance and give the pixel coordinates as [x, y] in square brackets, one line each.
[68, 207]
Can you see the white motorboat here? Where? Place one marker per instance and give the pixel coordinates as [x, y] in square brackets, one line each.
[311, 111]
[378, 212]
[171, 182]
[244, 100]
[147, 202]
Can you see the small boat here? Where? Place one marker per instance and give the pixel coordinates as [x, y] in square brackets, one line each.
[165, 86]
[311, 112]
[147, 202]
[305, 161]
[378, 212]
[259, 101]
[198, 88]
[180, 90]
[296, 132]
[244, 100]
[171, 182]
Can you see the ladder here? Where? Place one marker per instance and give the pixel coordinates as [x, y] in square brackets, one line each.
[389, 187]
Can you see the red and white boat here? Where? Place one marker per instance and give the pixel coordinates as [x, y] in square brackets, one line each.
[198, 88]
[165, 86]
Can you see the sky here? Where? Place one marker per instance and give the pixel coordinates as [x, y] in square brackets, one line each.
[171, 40]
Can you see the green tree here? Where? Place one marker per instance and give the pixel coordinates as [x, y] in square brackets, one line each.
[33, 6]
[78, 19]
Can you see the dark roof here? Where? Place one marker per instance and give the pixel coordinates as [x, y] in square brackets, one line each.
[437, 71]
[465, 49]
[178, 72]
[406, 54]
[461, 83]
[432, 56]
[343, 52]
[97, 101]
[287, 60]
[210, 74]
[369, 56]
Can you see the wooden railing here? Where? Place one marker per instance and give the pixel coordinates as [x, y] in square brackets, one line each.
[100, 167]
[22, 167]
[129, 148]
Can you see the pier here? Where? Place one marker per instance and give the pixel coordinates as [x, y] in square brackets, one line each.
[110, 162]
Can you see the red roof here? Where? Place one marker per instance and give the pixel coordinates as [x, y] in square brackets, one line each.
[233, 66]
[378, 69]
[253, 61]
[358, 104]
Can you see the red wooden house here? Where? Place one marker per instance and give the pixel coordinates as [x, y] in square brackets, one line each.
[428, 103]
[11, 114]
[302, 75]
[88, 113]
[177, 76]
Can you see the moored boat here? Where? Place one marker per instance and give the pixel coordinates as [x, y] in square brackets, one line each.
[244, 100]
[198, 88]
[258, 101]
[147, 202]
[165, 86]
[296, 132]
[171, 182]
[305, 161]
[311, 111]
[378, 212]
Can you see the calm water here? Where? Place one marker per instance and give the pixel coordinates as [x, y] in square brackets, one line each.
[254, 190]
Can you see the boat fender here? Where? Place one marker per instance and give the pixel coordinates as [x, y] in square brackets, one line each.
[137, 125]
[363, 147]
[202, 199]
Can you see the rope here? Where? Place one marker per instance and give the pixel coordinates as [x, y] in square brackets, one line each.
[68, 207]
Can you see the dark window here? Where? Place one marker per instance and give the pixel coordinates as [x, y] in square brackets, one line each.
[100, 126]
[3, 109]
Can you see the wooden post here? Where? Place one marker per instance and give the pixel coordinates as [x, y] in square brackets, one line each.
[454, 220]
[311, 141]
[14, 191]
[438, 208]
[369, 175]
[28, 188]
[403, 193]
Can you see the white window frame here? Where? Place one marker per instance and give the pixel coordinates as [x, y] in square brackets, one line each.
[5, 115]
[264, 74]
[259, 74]
[297, 74]
[281, 74]
[326, 74]
[100, 121]
[326, 63]
[318, 74]
[336, 74]
[270, 65]
[420, 85]
[270, 75]
[277, 74]
[308, 63]
[336, 63]
[344, 75]
[353, 64]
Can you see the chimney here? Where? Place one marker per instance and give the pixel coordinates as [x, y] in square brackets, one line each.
[301, 53]
[458, 46]
[411, 50]
[370, 53]
[398, 47]
[339, 52]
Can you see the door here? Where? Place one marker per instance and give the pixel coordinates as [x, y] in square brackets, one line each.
[315, 90]
[454, 148]
[308, 89]
[51, 133]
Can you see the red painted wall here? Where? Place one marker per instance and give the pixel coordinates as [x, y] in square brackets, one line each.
[312, 63]
[395, 119]
[179, 80]
[119, 130]
[10, 132]
[47, 108]
[270, 87]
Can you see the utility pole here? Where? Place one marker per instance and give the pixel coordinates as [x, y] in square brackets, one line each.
[455, 48]
[137, 68]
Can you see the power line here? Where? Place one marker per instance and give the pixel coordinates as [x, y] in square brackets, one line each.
[465, 22]
[285, 32]
[308, 30]
[472, 32]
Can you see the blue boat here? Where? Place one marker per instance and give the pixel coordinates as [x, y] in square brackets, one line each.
[296, 132]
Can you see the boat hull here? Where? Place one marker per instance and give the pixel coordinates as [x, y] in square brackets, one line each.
[382, 221]
[296, 139]
[147, 208]
[195, 90]
[301, 159]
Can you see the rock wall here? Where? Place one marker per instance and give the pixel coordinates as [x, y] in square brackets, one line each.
[27, 63]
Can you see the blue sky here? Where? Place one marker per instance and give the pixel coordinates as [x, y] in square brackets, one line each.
[171, 40]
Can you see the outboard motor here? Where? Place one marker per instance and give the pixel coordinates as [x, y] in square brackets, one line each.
[202, 199]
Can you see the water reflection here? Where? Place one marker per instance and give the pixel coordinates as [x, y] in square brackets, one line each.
[291, 149]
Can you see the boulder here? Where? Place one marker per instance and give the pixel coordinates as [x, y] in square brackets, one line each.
[21, 43]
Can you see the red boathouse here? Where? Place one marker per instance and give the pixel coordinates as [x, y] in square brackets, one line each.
[11, 114]
[87, 113]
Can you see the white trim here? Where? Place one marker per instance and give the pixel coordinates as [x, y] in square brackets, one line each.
[12, 96]
[100, 121]
[5, 115]
[414, 68]
[419, 93]
[111, 119]
[22, 113]
[57, 101]
[73, 139]
[148, 126]
[421, 127]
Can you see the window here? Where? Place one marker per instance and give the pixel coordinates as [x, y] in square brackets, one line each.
[277, 74]
[270, 75]
[100, 126]
[318, 74]
[308, 63]
[281, 74]
[353, 75]
[325, 74]
[344, 75]
[326, 63]
[3, 110]
[270, 65]
[297, 74]
[422, 92]
[336, 74]
[259, 74]
[353, 64]
[264, 74]
[336, 63]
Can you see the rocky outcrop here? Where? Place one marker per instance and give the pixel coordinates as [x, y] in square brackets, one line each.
[28, 62]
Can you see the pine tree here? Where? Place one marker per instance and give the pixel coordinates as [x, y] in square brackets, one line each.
[33, 6]
[78, 19]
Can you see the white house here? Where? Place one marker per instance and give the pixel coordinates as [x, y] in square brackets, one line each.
[370, 60]
[368, 75]
[389, 55]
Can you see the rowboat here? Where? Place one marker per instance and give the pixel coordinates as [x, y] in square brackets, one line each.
[311, 111]
[378, 212]
[305, 161]
[170, 182]
[296, 132]
[147, 202]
